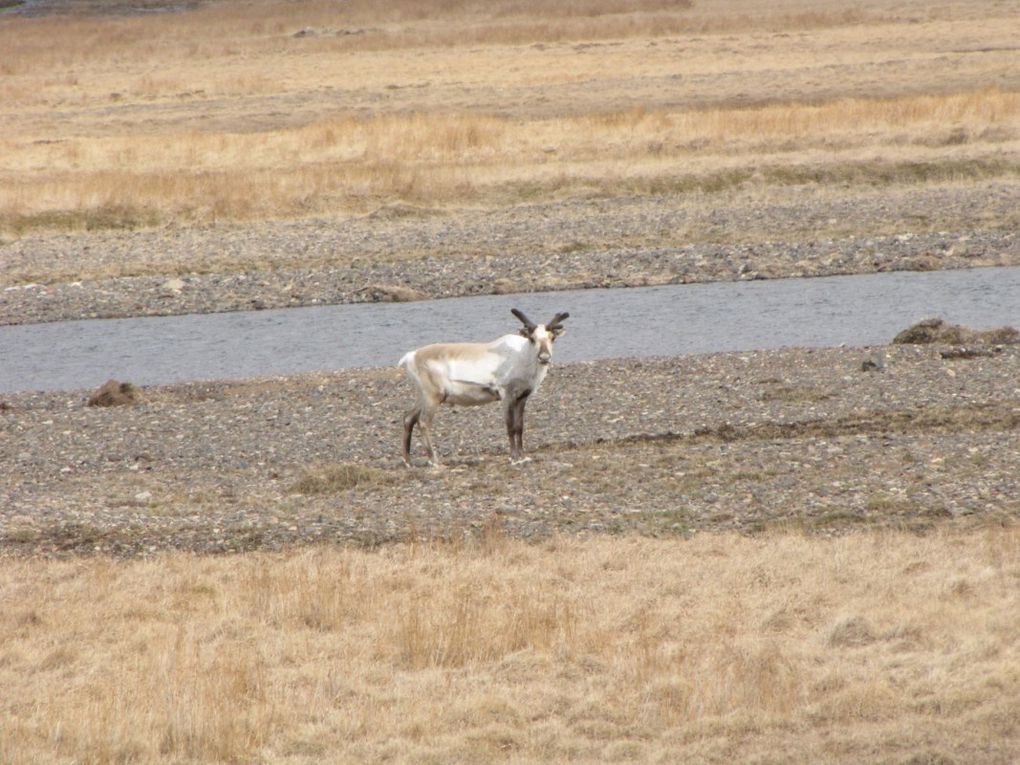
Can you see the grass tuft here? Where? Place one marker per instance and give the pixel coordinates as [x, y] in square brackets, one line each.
[334, 479]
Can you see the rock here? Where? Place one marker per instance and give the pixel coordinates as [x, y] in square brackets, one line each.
[114, 393]
[917, 263]
[170, 289]
[962, 352]
[872, 364]
[505, 286]
[391, 293]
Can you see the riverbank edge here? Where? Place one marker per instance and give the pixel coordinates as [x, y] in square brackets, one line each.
[443, 276]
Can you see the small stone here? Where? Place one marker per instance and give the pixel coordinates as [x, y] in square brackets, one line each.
[172, 286]
[392, 293]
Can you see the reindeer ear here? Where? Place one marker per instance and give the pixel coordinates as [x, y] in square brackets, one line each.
[555, 326]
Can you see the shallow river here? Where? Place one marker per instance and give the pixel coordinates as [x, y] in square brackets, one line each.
[651, 321]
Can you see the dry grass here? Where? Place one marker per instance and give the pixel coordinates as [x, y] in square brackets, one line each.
[350, 164]
[223, 114]
[331, 479]
[221, 29]
[873, 647]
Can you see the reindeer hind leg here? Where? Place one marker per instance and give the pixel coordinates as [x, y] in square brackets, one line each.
[410, 420]
[428, 413]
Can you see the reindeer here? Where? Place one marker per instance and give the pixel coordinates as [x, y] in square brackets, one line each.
[509, 369]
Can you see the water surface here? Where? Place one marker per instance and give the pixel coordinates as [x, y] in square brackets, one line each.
[650, 321]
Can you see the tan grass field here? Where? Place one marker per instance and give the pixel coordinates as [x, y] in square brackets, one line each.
[223, 113]
[875, 647]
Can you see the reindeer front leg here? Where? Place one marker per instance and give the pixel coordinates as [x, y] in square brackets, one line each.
[513, 407]
[509, 412]
[519, 418]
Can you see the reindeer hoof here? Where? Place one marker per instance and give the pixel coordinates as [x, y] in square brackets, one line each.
[519, 460]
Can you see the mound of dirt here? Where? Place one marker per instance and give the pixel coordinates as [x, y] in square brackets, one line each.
[937, 331]
[114, 393]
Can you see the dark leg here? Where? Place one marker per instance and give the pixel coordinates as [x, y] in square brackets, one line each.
[514, 398]
[428, 414]
[410, 420]
[517, 427]
[510, 413]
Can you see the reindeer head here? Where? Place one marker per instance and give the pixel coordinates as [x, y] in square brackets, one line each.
[542, 335]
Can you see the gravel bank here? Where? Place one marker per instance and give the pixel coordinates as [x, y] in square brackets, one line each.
[409, 253]
[815, 439]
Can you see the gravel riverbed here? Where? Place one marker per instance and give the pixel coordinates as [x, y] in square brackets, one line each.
[403, 253]
[825, 440]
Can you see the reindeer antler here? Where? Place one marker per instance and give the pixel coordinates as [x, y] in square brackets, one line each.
[557, 322]
[528, 323]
